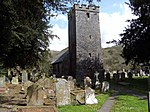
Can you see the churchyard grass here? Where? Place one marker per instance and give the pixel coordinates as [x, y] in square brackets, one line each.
[127, 103]
[85, 108]
[139, 84]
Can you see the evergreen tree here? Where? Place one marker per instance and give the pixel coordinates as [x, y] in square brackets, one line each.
[24, 30]
[136, 37]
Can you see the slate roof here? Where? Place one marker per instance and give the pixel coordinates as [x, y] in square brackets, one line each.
[61, 56]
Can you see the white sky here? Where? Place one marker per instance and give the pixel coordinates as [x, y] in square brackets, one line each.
[112, 23]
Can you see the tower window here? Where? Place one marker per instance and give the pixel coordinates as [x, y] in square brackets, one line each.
[88, 15]
[90, 55]
[90, 36]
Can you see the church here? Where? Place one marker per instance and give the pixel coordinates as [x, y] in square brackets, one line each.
[84, 55]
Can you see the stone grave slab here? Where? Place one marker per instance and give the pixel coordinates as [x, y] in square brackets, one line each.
[37, 109]
[77, 97]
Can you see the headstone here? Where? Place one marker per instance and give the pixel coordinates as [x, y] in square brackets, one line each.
[141, 72]
[62, 92]
[90, 96]
[2, 81]
[130, 75]
[97, 83]
[71, 83]
[15, 80]
[2, 84]
[105, 86]
[24, 76]
[87, 82]
[35, 95]
[122, 76]
[107, 76]
[115, 78]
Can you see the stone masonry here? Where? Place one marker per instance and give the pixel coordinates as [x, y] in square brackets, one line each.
[84, 41]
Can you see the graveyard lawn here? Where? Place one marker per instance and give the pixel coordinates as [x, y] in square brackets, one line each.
[139, 84]
[126, 103]
[85, 108]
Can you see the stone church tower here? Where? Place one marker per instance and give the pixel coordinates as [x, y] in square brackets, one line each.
[84, 41]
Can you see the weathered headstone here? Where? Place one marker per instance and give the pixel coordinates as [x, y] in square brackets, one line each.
[71, 83]
[107, 76]
[115, 77]
[35, 95]
[2, 81]
[122, 76]
[130, 75]
[90, 96]
[15, 80]
[62, 92]
[2, 84]
[24, 76]
[105, 86]
[87, 82]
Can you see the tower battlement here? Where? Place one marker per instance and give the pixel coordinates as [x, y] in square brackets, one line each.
[84, 7]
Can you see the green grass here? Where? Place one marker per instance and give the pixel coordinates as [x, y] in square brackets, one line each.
[85, 108]
[126, 103]
[139, 84]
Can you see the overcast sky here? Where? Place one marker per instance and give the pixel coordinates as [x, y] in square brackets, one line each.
[113, 16]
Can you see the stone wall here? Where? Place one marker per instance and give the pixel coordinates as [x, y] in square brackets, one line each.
[84, 40]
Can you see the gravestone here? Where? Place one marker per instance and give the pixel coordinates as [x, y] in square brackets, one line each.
[24, 76]
[90, 96]
[105, 86]
[62, 92]
[107, 76]
[115, 76]
[122, 76]
[2, 81]
[87, 82]
[2, 84]
[130, 75]
[35, 95]
[97, 83]
[71, 83]
[15, 80]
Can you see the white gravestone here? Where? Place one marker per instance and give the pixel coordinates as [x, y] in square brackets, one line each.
[24, 76]
[90, 96]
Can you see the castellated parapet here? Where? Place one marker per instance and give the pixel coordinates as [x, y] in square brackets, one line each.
[84, 7]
